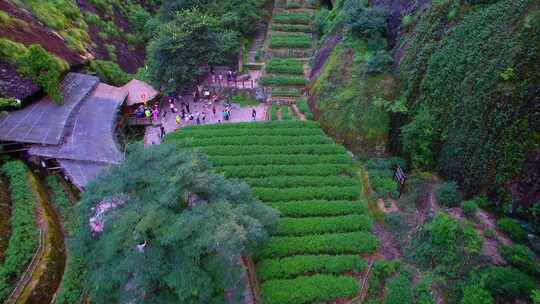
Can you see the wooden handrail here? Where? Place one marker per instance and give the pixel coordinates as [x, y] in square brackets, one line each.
[27, 274]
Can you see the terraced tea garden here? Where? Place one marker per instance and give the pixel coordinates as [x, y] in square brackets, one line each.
[324, 230]
[289, 47]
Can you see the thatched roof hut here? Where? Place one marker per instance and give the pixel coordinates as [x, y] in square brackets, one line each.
[139, 92]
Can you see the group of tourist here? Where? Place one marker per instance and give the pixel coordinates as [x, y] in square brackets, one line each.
[148, 112]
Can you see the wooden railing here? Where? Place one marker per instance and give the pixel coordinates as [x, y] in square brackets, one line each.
[27, 274]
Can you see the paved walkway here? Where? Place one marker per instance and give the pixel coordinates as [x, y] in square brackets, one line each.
[238, 114]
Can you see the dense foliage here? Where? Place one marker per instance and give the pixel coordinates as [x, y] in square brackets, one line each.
[23, 240]
[470, 91]
[190, 40]
[191, 35]
[110, 72]
[172, 205]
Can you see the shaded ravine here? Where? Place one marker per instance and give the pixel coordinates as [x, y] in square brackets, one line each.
[48, 273]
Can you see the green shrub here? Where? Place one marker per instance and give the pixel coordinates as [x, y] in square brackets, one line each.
[44, 69]
[255, 140]
[258, 125]
[5, 19]
[306, 193]
[290, 41]
[232, 132]
[9, 104]
[422, 291]
[475, 294]
[521, 257]
[286, 92]
[398, 290]
[282, 80]
[285, 65]
[381, 270]
[507, 283]
[111, 51]
[379, 62]
[62, 203]
[513, 228]
[339, 243]
[322, 225]
[292, 18]
[290, 267]
[110, 72]
[469, 208]
[300, 181]
[304, 108]
[313, 289]
[448, 194]
[287, 170]
[276, 159]
[245, 100]
[71, 288]
[384, 187]
[320, 21]
[320, 149]
[318, 208]
[368, 22]
[291, 28]
[285, 112]
[11, 51]
[274, 112]
[23, 240]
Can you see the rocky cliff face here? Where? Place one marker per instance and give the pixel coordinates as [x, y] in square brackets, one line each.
[101, 33]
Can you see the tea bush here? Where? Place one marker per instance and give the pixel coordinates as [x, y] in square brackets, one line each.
[322, 225]
[448, 194]
[282, 80]
[307, 193]
[290, 267]
[23, 239]
[110, 72]
[469, 208]
[507, 283]
[300, 181]
[290, 41]
[521, 257]
[291, 28]
[285, 65]
[513, 228]
[339, 243]
[292, 18]
[318, 208]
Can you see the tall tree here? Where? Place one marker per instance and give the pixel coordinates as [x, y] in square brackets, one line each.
[181, 47]
[162, 228]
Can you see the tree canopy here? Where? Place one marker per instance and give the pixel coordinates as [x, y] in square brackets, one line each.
[162, 228]
[184, 45]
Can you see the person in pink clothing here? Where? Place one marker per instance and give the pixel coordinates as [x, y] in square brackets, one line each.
[155, 114]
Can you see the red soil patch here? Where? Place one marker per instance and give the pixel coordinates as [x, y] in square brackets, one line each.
[37, 33]
[12, 84]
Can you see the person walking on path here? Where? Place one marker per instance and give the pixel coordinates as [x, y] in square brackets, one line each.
[162, 134]
[214, 109]
[253, 114]
[178, 119]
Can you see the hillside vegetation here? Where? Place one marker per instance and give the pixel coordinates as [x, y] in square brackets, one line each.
[457, 94]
